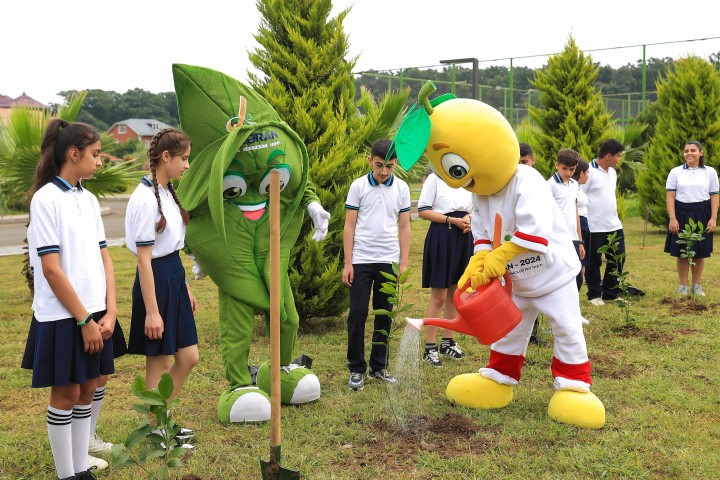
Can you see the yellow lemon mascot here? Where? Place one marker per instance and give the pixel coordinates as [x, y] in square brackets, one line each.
[470, 145]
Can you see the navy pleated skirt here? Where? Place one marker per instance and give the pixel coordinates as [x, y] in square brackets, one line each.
[446, 255]
[699, 212]
[54, 352]
[174, 305]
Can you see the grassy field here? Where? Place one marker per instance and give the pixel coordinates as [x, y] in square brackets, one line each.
[659, 382]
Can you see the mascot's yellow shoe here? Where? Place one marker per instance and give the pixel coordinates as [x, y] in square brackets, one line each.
[583, 410]
[472, 390]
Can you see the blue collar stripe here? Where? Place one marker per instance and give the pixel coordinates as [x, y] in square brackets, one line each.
[374, 183]
[146, 181]
[557, 178]
[64, 185]
[595, 164]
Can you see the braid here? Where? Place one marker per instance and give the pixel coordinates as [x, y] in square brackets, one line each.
[185, 216]
[160, 225]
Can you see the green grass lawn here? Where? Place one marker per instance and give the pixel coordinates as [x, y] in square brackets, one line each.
[659, 383]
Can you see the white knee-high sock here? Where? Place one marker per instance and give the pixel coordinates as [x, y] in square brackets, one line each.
[96, 405]
[60, 435]
[80, 436]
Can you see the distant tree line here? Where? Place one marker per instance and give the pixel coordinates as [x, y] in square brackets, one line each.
[103, 108]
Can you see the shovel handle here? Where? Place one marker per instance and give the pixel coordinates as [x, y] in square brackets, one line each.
[275, 436]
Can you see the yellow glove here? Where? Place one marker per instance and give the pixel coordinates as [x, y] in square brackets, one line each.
[475, 266]
[495, 263]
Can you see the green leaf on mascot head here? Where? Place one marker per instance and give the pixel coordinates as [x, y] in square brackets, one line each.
[216, 95]
[414, 132]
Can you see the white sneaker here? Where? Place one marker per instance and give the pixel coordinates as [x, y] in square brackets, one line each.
[697, 290]
[598, 302]
[682, 290]
[98, 445]
[95, 463]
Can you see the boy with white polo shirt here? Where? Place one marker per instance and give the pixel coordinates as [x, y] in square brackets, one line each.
[376, 234]
[565, 192]
[603, 221]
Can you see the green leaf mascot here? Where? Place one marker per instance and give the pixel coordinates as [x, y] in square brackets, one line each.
[240, 139]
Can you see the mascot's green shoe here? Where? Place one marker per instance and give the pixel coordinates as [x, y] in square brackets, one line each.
[297, 384]
[472, 390]
[582, 409]
[244, 404]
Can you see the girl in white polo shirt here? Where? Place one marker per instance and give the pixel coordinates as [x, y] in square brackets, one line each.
[163, 322]
[692, 192]
[74, 300]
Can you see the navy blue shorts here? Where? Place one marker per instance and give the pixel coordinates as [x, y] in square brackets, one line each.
[174, 305]
[699, 212]
[446, 255]
[54, 352]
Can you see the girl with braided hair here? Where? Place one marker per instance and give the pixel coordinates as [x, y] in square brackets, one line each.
[163, 307]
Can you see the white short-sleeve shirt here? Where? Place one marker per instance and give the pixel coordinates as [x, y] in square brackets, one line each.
[602, 203]
[692, 185]
[530, 219]
[565, 195]
[582, 203]
[66, 220]
[438, 196]
[142, 215]
[379, 206]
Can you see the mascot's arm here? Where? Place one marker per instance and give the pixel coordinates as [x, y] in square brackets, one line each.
[482, 247]
[319, 216]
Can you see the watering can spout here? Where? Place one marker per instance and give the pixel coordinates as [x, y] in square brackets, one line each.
[457, 324]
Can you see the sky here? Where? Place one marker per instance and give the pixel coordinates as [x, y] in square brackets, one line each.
[50, 46]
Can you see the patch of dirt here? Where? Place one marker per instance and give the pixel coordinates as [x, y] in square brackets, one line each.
[683, 305]
[651, 335]
[452, 435]
[612, 366]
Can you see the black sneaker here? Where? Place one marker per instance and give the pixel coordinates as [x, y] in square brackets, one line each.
[185, 433]
[356, 382]
[431, 356]
[86, 475]
[383, 375]
[451, 349]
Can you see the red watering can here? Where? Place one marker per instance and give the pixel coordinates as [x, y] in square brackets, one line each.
[487, 314]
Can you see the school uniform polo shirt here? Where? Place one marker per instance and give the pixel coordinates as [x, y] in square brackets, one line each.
[438, 196]
[530, 219]
[565, 195]
[142, 215]
[379, 206]
[692, 185]
[66, 220]
[602, 203]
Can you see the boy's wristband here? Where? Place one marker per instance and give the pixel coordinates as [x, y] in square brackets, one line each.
[86, 320]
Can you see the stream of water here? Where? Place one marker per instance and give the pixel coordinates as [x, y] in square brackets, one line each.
[403, 398]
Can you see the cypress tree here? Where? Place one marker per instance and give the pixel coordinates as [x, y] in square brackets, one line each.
[688, 109]
[572, 113]
[309, 82]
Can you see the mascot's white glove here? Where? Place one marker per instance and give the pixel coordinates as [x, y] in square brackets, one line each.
[320, 219]
[197, 269]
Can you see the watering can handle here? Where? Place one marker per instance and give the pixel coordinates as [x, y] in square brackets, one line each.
[507, 287]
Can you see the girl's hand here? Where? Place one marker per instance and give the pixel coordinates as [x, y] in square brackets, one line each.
[154, 326]
[711, 225]
[92, 340]
[582, 251]
[674, 226]
[107, 326]
[193, 300]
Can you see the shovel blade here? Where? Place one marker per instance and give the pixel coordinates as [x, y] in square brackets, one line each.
[273, 471]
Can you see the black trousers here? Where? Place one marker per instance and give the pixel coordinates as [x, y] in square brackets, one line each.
[367, 277]
[608, 288]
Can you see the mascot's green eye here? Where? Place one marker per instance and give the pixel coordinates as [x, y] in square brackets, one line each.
[234, 185]
[284, 179]
[454, 166]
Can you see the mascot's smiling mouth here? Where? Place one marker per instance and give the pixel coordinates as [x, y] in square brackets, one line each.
[253, 212]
